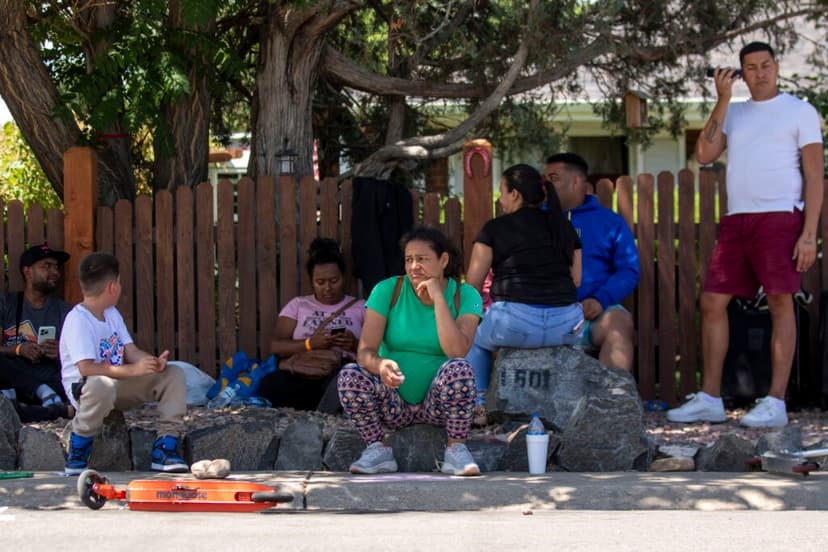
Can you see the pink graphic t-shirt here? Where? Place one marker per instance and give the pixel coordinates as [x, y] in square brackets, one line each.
[310, 313]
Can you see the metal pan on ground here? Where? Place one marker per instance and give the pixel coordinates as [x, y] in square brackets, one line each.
[798, 462]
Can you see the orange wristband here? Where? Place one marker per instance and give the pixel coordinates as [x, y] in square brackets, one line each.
[308, 345]
[17, 349]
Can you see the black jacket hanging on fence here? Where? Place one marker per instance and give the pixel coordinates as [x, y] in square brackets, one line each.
[382, 213]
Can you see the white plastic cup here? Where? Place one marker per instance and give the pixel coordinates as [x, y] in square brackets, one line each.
[536, 448]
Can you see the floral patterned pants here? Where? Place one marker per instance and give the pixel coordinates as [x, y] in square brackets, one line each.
[371, 405]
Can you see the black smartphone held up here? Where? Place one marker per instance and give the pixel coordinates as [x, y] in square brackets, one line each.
[736, 74]
[336, 331]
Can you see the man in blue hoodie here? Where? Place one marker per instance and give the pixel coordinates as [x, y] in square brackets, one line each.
[610, 261]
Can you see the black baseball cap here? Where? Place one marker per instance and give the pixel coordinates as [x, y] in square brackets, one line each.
[42, 251]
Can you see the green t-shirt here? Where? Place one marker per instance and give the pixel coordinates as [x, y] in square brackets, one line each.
[411, 332]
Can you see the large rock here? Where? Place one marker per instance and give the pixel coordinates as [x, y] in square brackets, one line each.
[9, 427]
[418, 447]
[40, 450]
[595, 409]
[342, 450]
[605, 433]
[551, 381]
[142, 440]
[244, 443]
[784, 439]
[301, 446]
[515, 458]
[488, 451]
[730, 453]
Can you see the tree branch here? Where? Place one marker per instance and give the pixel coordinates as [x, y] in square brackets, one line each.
[411, 147]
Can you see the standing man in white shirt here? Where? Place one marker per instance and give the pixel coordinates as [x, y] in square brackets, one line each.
[769, 236]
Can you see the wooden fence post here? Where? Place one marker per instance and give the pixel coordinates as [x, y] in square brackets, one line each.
[80, 201]
[477, 191]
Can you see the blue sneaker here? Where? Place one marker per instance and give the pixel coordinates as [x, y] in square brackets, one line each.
[78, 458]
[165, 456]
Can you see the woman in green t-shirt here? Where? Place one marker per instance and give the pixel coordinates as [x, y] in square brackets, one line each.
[410, 367]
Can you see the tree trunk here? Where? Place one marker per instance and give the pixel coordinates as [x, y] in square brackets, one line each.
[290, 49]
[33, 101]
[31, 96]
[116, 178]
[182, 150]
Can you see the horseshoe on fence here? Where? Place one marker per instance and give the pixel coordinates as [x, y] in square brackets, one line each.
[484, 153]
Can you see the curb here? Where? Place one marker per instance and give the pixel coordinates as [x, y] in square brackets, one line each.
[339, 492]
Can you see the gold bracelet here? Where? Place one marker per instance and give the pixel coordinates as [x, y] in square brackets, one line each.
[308, 345]
[17, 349]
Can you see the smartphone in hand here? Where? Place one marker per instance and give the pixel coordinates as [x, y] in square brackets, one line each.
[337, 331]
[45, 333]
[711, 72]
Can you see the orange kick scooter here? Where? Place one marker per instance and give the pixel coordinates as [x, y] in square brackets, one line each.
[180, 496]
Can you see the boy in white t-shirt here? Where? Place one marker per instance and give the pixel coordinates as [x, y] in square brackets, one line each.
[102, 370]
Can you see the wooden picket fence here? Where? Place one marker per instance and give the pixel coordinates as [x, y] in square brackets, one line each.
[206, 285]
[205, 290]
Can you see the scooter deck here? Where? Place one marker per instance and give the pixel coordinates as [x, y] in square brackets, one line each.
[196, 496]
[180, 495]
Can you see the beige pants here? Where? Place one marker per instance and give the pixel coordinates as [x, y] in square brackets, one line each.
[101, 394]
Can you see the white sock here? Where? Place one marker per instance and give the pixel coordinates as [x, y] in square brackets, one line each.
[10, 394]
[47, 395]
[710, 399]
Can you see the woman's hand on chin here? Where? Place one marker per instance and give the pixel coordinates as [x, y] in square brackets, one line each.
[428, 289]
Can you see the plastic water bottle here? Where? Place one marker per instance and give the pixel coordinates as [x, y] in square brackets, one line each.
[536, 426]
[225, 397]
[537, 445]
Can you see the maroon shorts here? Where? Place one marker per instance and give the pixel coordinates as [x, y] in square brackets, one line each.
[755, 249]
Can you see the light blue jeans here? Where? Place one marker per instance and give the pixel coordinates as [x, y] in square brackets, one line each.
[508, 324]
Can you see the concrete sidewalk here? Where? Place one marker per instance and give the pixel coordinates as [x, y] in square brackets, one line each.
[338, 492]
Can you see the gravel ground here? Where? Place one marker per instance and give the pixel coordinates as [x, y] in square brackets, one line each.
[812, 422]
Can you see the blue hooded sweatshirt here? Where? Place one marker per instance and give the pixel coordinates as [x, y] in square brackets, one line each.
[610, 256]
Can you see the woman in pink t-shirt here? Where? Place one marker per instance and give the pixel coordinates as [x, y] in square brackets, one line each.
[300, 318]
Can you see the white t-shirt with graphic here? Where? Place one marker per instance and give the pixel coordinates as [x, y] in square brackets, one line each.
[84, 337]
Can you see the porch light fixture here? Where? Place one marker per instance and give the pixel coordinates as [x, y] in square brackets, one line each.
[286, 159]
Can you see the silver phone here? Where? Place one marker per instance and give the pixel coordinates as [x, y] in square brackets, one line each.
[45, 333]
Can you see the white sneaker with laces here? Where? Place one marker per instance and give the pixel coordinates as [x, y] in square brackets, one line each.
[459, 461]
[376, 458]
[698, 409]
[766, 413]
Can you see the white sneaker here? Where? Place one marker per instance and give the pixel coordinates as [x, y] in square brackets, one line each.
[698, 409]
[376, 458]
[766, 413]
[459, 461]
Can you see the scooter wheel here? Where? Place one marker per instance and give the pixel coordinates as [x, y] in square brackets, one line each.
[271, 496]
[85, 492]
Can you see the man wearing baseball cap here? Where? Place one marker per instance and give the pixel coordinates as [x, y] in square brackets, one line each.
[31, 322]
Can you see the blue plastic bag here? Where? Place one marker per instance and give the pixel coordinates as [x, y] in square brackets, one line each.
[246, 371]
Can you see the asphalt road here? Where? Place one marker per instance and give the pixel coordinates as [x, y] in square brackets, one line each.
[506, 512]
[121, 529]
